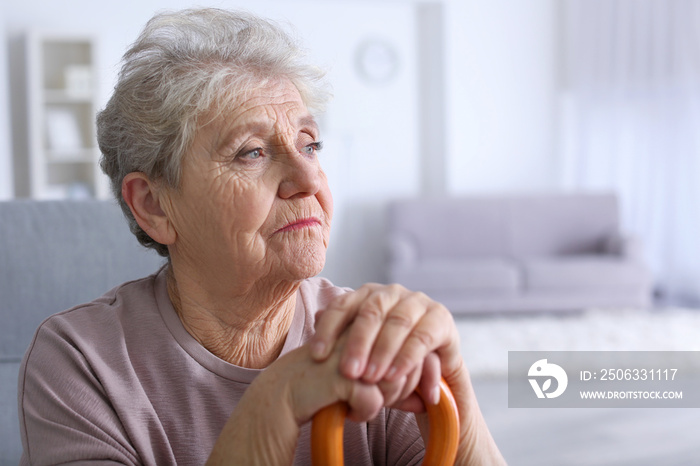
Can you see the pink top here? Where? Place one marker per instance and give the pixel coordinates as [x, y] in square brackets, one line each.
[120, 380]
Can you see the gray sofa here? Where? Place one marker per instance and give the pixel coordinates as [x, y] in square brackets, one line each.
[518, 253]
[54, 255]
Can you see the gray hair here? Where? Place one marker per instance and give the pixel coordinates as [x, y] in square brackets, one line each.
[183, 65]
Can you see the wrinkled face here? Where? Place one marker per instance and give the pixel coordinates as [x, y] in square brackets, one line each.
[253, 201]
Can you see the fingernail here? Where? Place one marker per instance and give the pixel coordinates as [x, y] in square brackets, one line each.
[435, 395]
[371, 370]
[353, 366]
[391, 372]
[318, 349]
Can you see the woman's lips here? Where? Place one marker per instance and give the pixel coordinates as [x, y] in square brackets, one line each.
[300, 224]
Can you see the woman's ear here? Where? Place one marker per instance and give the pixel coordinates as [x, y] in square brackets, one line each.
[143, 198]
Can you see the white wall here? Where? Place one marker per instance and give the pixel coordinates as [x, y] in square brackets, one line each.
[501, 88]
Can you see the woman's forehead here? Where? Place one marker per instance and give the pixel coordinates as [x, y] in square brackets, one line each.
[262, 111]
[275, 103]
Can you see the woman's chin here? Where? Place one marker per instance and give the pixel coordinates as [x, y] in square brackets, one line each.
[305, 263]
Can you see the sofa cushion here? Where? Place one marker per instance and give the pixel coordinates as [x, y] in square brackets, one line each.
[560, 225]
[448, 228]
[498, 276]
[57, 254]
[10, 442]
[578, 273]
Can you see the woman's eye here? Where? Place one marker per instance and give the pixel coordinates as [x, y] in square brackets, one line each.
[312, 148]
[252, 154]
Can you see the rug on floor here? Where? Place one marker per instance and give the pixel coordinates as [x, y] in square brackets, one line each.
[485, 341]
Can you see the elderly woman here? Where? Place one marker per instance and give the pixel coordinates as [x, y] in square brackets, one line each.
[225, 354]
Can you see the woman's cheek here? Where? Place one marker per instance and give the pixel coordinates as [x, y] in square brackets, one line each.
[241, 195]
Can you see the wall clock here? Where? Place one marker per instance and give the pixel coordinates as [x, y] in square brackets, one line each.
[377, 61]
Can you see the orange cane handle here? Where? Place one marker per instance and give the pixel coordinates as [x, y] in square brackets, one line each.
[443, 439]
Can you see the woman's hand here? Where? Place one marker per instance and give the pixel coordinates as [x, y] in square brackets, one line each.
[393, 337]
[391, 333]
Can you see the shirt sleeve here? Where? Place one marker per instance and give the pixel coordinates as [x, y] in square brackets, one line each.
[65, 415]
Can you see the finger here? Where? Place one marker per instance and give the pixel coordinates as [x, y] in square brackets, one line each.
[331, 322]
[392, 391]
[395, 392]
[364, 401]
[434, 332]
[410, 399]
[397, 325]
[413, 404]
[428, 387]
[412, 380]
[369, 321]
[430, 379]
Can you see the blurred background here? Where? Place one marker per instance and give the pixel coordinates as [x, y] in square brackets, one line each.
[433, 99]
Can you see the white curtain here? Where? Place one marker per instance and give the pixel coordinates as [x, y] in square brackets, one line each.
[631, 122]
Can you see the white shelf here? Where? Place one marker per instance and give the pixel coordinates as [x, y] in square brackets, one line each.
[63, 157]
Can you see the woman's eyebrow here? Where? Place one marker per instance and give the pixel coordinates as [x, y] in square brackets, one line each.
[308, 120]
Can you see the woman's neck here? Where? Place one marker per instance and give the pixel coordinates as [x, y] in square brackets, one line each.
[247, 331]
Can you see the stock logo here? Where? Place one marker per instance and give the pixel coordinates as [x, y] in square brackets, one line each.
[542, 373]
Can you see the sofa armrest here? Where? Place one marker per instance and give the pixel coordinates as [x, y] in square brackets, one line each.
[401, 250]
[626, 246]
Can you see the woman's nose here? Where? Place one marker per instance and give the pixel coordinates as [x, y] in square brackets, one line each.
[302, 176]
